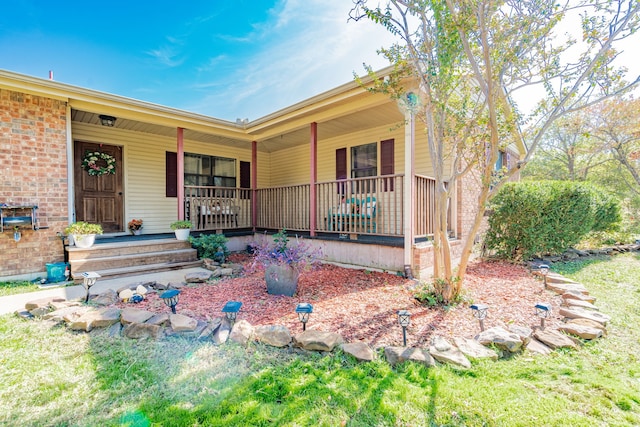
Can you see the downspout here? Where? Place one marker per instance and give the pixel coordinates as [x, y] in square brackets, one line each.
[314, 178]
[409, 204]
[71, 196]
[180, 172]
[254, 184]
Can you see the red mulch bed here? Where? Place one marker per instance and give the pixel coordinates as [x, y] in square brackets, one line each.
[362, 305]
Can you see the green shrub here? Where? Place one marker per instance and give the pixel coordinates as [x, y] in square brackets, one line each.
[207, 246]
[536, 218]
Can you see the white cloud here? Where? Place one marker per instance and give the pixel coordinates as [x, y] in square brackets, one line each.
[309, 48]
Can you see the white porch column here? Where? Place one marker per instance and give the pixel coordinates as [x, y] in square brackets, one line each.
[409, 202]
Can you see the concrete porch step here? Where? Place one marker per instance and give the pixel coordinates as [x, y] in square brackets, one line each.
[102, 250]
[138, 270]
[130, 260]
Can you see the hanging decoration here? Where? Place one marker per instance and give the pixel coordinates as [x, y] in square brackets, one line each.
[97, 163]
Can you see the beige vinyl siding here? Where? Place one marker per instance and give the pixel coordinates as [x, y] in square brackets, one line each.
[327, 149]
[144, 171]
[291, 166]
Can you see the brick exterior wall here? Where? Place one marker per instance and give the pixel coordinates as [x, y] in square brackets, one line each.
[33, 170]
[466, 205]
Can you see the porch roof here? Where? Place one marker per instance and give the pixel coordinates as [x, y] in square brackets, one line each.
[342, 110]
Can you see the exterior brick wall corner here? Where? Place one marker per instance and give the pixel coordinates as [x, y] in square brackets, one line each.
[33, 171]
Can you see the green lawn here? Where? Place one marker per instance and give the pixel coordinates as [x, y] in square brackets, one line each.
[17, 287]
[50, 376]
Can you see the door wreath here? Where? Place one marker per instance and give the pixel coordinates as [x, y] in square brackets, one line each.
[90, 163]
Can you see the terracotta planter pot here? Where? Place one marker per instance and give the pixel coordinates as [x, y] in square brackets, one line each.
[281, 280]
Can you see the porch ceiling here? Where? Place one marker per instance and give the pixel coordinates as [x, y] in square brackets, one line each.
[156, 129]
[385, 114]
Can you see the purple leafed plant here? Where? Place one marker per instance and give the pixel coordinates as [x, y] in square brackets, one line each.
[298, 254]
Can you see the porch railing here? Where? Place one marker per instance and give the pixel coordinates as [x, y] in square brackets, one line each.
[373, 206]
[217, 208]
[361, 206]
[284, 207]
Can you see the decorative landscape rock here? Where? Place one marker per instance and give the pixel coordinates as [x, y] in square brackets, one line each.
[444, 352]
[274, 335]
[317, 340]
[134, 315]
[141, 290]
[125, 294]
[523, 332]
[554, 339]
[210, 329]
[181, 323]
[107, 297]
[589, 323]
[197, 277]
[557, 278]
[395, 355]
[581, 313]
[102, 318]
[57, 305]
[159, 319]
[537, 347]
[473, 350]
[579, 296]
[579, 303]
[141, 331]
[360, 350]
[582, 331]
[59, 314]
[500, 338]
[221, 334]
[175, 285]
[42, 303]
[561, 288]
[241, 332]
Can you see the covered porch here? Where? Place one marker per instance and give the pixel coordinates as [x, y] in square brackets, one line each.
[346, 208]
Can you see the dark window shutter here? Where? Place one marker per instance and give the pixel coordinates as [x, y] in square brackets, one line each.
[387, 161]
[171, 174]
[245, 174]
[341, 167]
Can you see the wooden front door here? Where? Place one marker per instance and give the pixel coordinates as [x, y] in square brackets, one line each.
[99, 198]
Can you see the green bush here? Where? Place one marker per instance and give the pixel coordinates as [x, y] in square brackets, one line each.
[207, 246]
[547, 217]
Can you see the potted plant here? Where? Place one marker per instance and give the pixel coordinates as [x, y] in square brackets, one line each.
[83, 233]
[283, 262]
[182, 229]
[135, 226]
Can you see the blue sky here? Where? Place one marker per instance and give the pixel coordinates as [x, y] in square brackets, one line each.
[226, 59]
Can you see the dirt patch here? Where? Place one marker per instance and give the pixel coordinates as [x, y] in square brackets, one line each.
[362, 305]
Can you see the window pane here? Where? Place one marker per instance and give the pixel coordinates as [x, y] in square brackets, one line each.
[364, 160]
[192, 164]
[224, 167]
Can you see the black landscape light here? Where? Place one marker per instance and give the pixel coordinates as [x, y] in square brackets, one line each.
[544, 270]
[89, 279]
[480, 313]
[231, 309]
[170, 298]
[304, 309]
[543, 311]
[404, 318]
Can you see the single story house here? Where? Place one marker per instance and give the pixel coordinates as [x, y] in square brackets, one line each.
[345, 168]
